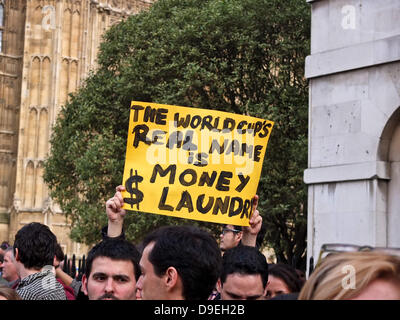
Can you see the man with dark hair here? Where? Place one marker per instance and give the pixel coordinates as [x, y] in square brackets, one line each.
[244, 274]
[112, 269]
[179, 263]
[230, 237]
[34, 250]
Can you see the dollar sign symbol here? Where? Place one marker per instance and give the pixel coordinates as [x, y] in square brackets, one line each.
[136, 194]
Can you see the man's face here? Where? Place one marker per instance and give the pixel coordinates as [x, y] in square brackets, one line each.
[9, 269]
[110, 280]
[149, 284]
[242, 287]
[229, 237]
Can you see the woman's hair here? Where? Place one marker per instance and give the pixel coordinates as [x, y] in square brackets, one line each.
[332, 279]
[287, 274]
[8, 293]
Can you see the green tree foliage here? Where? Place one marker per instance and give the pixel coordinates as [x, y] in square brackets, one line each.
[241, 56]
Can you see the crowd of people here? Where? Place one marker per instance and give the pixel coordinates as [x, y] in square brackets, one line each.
[186, 263]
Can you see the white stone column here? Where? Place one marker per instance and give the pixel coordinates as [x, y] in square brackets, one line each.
[354, 73]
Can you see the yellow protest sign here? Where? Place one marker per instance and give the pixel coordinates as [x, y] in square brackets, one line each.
[193, 163]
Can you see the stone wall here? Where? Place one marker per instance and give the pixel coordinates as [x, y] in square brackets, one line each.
[354, 142]
[49, 47]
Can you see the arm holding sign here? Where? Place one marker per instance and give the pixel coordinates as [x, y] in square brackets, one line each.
[116, 216]
[75, 284]
[115, 213]
[250, 233]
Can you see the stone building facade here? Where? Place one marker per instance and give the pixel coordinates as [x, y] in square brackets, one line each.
[47, 47]
[354, 123]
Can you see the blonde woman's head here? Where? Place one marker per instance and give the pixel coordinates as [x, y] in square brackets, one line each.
[354, 275]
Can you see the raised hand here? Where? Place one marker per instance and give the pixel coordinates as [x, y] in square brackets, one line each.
[115, 213]
[250, 233]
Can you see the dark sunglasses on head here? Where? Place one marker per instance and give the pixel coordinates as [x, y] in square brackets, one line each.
[329, 248]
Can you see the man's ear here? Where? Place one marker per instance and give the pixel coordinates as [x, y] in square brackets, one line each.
[16, 256]
[219, 285]
[55, 264]
[84, 284]
[265, 291]
[171, 277]
[239, 236]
